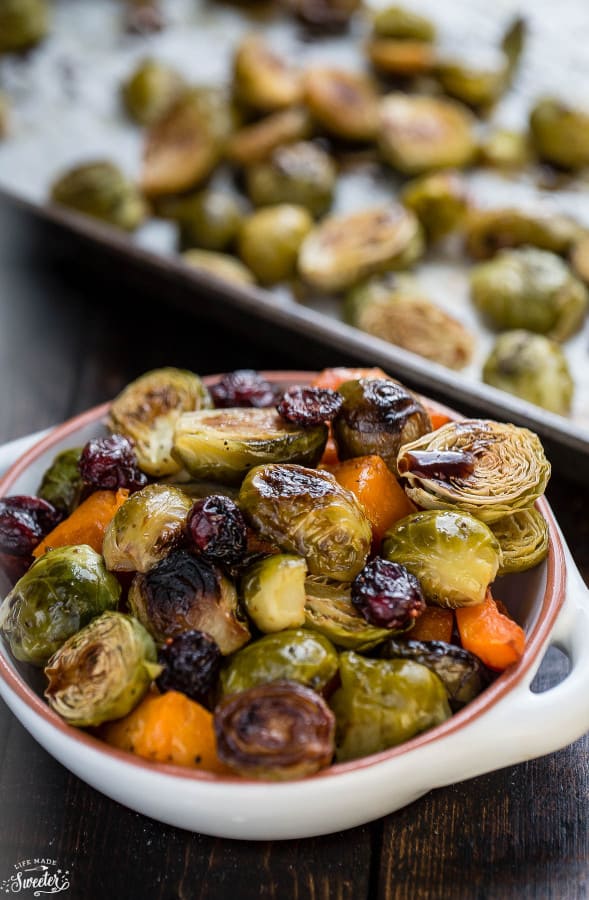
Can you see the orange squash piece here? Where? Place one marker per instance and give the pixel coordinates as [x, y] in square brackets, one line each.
[87, 523]
[434, 624]
[333, 378]
[495, 638]
[438, 419]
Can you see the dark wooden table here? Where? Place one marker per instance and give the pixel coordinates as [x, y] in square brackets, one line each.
[69, 340]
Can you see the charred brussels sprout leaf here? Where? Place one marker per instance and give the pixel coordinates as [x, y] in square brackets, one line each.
[383, 703]
[330, 611]
[307, 512]
[146, 412]
[345, 104]
[99, 189]
[560, 133]
[102, 672]
[439, 201]
[60, 593]
[301, 173]
[273, 591]
[255, 142]
[225, 445]
[491, 230]
[261, 77]
[151, 91]
[220, 265]
[523, 538]
[270, 238]
[23, 23]
[62, 483]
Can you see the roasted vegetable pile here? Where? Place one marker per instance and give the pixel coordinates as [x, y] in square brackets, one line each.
[262, 581]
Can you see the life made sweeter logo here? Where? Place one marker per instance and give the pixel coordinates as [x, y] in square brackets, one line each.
[36, 877]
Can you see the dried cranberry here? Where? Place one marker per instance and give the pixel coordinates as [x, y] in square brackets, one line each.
[217, 529]
[309, 405]
[243, 388]
[24, 522]
[110, 463]
[387, 594]
[192, 662]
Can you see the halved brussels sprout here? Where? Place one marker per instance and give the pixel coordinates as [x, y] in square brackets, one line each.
[145, 528]
[151, 91]
[62, 484]
[273, 592]
[454, 555]
[61, 592]
[533, 367]
[393, 56]
[221, 265]
[223, 445]
[420, 133]
[210, 219]
[269, 241]
[392, 308]
[560, 133]
[497, 468]
[102, 672]
[307, 512]
[99, 189]
[261, 77]
[330, 611]
[523, 538]
[439, 200]
[146, 411]
[505, 149]
[530, 289]
[345, 104]
[378, 416]
[404, 24]
[461, 672]
[185, 593]
[383, 703]
[23, 23]
[294, 655]
[491, 230]
[343, 249]
[255, 142]
[299, 173]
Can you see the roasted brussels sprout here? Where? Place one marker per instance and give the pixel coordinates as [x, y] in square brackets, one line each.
[345, 104]
[262, 79]
[461, 672]
[404, 24]
[301, 173]
[330, 611]
[420, 133]
[273, 592]
[99, 189]
[210, 220]
[530, 289]
[294, 655]
[392, 308]
[343, 249]
[478, 466]
[307, 512]
[533, 367]
[580, 257]
[491, 230]
[23, 23]
[256, 142]
[146, 412]
[151, 91]
[275, 731]
[402, 42]
[325, 14]
[221, 265]
[185, 593]
[61, 484]
[378, 416]
[383, 703]
[523, 538]
[505, 149]
[224, 445]
[560, 133]
[439, 201]
[479, 83]
[145, 528]
[102, 672]
[58, 595]
[270, 238]
[454, 556]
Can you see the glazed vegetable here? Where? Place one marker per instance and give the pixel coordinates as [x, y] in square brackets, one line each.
[454, 556]
[150, 524]
[273, 592]
[383, 703]
[420, 133]
[439, 200]
[255, 142]
[497, 468]
[61, 484]
[275, 731]
[262, 79]
[342, 103]
[220, 265]
[224, 446]
[60, 593]
[392, 307]
[329, 611]
[146, 412]
[294, 655]
[533, 367]
[344, 249]
[168, 729]
[493, 637]
[151, 91]
[87, 524]
[436, 623]
[377, 418]
[560, 133]
[491, 230]
[185, 593]
[23, 23]
[210, 220]
[523, 538]
[300, 173]
[531, 289]
[462, 674]
[101, 672]
[306, 512]
[269, 241]
[99, 189]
